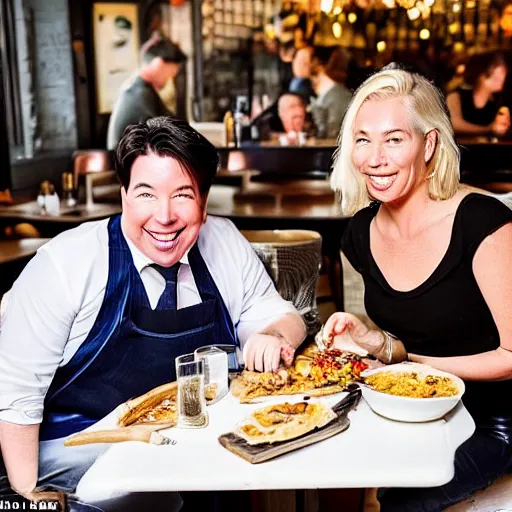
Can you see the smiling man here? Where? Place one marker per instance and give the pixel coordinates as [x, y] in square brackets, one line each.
[99, 315]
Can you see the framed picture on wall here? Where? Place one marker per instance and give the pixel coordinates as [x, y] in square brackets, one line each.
[116, 50]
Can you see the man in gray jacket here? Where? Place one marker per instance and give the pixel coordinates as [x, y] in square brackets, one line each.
[140, 100]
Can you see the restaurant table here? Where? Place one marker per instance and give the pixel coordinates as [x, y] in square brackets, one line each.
[14, 255]
[14, 250]
[51, 225]
[373, 452]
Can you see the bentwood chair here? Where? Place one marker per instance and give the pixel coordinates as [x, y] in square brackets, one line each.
[292, 259]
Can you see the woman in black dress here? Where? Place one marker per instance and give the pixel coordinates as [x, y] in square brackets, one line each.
[474, 106]
[436, 261]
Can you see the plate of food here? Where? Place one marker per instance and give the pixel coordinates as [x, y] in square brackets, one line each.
[411, 392]
[314, 372]
[284, 427]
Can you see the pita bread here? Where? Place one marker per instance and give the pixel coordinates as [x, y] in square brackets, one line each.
[312, 370]
[346, 343]
[282, 422]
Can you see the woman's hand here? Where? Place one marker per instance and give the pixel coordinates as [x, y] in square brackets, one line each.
[340, 324]
[376, 342]
[501, 124]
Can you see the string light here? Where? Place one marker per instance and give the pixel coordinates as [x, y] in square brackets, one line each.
[424, 34]
[406, 4]
[352, 17]
[381, 46]
[326, 5]
[337, 30]
[413, 13]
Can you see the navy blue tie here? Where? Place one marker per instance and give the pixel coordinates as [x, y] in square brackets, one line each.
[168, 299]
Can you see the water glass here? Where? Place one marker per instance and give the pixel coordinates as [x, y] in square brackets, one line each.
[215, 371]
[191, 398]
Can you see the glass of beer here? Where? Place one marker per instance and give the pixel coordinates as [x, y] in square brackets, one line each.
[191, 392]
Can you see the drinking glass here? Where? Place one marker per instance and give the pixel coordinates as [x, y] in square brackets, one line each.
[191, 399]
[215, 371]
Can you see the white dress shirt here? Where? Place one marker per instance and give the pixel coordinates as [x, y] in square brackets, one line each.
[52, 306]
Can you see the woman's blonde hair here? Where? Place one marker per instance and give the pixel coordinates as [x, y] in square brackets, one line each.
[427, 111]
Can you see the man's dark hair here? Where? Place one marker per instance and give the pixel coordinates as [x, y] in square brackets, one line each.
[166, 136]
[166, 50]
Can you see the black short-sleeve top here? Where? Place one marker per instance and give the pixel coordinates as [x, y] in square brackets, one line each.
[472, 114]
[446, 315]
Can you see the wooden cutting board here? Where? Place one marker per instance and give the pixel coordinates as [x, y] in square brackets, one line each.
[128, 413]
[256, 454]
[264, 452]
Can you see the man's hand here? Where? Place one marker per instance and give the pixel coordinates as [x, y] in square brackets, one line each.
[41, 494]
[263, 352]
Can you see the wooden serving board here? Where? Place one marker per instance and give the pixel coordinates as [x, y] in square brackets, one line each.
[264, 452]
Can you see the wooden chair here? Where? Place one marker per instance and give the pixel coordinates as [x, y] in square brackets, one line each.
[94, 165]
[292, 259]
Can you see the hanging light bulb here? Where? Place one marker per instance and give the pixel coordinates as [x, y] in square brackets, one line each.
[337, 30]
[326, 5]
[337, 10]
[413, 13]
[424, 34]
[352, 17]
[406, 4]
[453, 28]
[381, 46]
[456, 7]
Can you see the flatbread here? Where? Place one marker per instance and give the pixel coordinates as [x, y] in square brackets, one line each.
[313, 372]
[282, 422]
[343, 342]
[156, 406]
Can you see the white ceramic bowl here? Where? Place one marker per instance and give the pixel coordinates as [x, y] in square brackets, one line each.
[401, 408]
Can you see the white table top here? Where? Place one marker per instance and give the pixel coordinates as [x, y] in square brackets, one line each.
[373, 452]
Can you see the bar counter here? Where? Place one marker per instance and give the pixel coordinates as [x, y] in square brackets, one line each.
[481, 160]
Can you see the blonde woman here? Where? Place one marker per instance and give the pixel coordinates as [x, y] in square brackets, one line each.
[436, 261]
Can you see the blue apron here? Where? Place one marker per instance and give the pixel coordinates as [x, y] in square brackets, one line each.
[131, 348]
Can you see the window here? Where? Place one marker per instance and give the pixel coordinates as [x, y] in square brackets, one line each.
[10, 78]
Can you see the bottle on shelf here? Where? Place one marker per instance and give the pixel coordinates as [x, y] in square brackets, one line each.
[68, 189]
[229, 129]
[44, 190]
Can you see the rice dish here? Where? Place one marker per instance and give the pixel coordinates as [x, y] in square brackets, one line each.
[412, 385]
